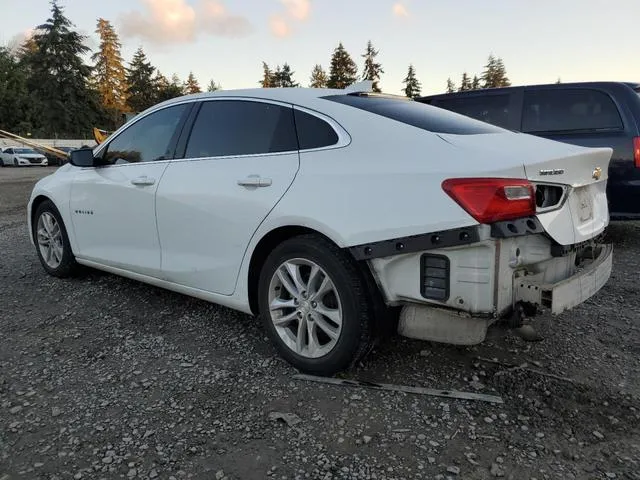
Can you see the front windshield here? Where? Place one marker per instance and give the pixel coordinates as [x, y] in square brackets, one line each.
[24, 150]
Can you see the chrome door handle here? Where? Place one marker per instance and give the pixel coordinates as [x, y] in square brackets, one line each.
[255, 181]
[143, 181]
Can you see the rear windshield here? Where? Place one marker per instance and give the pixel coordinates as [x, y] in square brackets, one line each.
[417, 114]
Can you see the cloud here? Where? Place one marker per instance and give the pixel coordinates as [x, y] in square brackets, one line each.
[295, 11]
[298, 9]
[279, 26]
[399, 10]
[175, 21]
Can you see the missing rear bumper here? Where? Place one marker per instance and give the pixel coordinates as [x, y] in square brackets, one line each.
[572, 291]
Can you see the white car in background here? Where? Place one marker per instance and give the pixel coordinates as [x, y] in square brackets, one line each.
[320, 209]
[21, 156]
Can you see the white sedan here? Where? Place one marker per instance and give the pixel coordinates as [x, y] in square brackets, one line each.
[20, 156]
[324, 210]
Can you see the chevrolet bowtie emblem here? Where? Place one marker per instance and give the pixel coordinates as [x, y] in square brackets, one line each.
[597, 173]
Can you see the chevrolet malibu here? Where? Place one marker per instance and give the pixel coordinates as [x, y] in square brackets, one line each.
[327, 212]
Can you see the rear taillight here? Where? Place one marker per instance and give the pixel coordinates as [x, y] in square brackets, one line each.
[636, 151]
[490, 200]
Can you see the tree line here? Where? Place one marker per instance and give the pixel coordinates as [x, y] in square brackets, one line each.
[48, 90]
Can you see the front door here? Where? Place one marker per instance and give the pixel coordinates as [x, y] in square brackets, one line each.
[113, 205]
[239, 161]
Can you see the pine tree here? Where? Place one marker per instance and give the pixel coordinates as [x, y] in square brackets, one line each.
[475, 84]
[412, 88]
[559, 80]
[451, 87]
[16, 105]
[284, 77]
[267, 76]
[58, 81]
[165, 89]
[141, 92]
[343, 71]
[372, 69]
[318, 77]
[495, 74]
[109, 74]
[465, 83]
[192, 85]
[213, 86]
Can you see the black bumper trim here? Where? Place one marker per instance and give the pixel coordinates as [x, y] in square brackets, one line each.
[417, 243]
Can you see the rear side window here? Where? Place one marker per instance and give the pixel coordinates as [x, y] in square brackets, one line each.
[493, 109]
[237, 127]
[564, 110]
[313, 132]
[417, 114]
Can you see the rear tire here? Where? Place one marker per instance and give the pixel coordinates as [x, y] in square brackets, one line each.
[52, 242]
[319, 321]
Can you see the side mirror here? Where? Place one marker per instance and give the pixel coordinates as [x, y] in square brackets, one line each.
[82, 157]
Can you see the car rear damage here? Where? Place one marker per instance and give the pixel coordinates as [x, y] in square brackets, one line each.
[537, 247]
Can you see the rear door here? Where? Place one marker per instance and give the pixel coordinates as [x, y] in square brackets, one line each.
[240, 158]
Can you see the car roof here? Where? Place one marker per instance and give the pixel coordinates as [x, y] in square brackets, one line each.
[296, 95]
[632, 85]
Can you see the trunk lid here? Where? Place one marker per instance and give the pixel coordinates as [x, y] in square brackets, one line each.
[583, 213]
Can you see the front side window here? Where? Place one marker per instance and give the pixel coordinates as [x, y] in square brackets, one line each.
[493, 109]
[564, 110]
[239, 127]
[147, 140]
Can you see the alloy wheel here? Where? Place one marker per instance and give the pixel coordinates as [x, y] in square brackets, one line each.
[49, 237]
[305, 308]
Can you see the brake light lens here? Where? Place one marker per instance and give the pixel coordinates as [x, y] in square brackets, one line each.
[490, 200]
[636, 151]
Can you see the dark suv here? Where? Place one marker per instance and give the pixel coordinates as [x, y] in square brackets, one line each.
[594, 114]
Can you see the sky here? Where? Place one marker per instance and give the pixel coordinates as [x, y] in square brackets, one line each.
[227, 40]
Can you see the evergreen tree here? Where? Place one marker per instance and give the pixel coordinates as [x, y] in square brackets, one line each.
[267, 76]
[58, 80]
[372, 69]
[451, 87]
[165, 90]
[192, 85]
[142, 91]
[465, 83]
[318, 77]
[343, 71]
[475, 84]
[559, 81]
[109, 74]
[495, 74]
[412, 88]
[284, 77]
[15, 103]
[213, 86]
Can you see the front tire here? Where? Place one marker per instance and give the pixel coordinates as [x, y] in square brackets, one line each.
[52, 241]
[315, 306]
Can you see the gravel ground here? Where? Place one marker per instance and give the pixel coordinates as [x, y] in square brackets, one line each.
[102, 377]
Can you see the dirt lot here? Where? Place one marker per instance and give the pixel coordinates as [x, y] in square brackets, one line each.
[102, 377]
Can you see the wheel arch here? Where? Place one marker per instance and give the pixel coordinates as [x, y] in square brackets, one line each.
[275, 237]
[37, 201]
